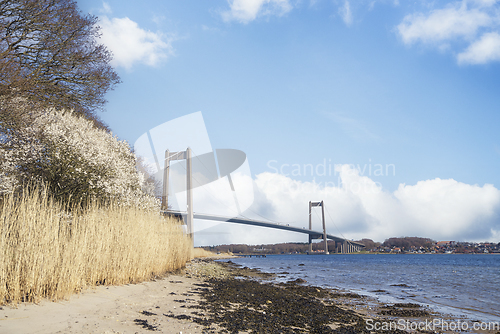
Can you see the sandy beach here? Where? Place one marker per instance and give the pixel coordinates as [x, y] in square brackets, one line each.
[132, 308]
[107, 309]
[209, 297]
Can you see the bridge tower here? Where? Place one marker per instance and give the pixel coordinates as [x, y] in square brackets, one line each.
[311, 237]
[182, 155]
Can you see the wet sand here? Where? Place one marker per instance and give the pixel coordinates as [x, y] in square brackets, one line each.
[210, 297]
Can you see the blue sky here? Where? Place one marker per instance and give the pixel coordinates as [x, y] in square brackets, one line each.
[412, 84]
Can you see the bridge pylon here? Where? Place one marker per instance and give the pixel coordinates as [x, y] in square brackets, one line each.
[182, 155]
[311, 236]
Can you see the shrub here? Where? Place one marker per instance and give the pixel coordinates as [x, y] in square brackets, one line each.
[77, 160]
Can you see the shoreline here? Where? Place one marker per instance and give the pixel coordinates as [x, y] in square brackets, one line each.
[209, 296]
[357, 253]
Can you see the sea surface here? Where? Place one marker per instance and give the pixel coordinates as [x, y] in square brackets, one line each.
[460, 285]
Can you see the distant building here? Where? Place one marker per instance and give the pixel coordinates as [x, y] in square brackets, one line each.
[444, 243]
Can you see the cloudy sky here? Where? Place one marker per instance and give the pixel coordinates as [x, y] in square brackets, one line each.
[387, 110]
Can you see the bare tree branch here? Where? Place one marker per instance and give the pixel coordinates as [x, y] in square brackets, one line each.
[49, 54]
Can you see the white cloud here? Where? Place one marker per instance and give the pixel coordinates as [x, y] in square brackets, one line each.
[345, 12]
[245, 11]
[131, 44]
[485, 3]
[474, 21]
[439, 209]
[450, 209]
[482, 51]
[106, 8]
[443, 24]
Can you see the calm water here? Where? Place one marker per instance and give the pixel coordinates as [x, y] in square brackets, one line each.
[463, 285]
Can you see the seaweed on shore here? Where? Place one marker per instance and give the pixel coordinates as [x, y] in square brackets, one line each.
[407, 305]
[235, 299]
[148, 313]
[404, 310]
[146, 325]
[401, 285]
[256, 307]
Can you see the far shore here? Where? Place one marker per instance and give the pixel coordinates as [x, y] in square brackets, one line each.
[360, 253]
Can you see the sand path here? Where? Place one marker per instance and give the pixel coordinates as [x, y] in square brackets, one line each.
[109, 309]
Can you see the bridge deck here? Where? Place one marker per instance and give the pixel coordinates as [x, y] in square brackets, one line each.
[245, 221]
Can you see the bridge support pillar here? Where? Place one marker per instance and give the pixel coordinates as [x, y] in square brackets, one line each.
[189, 189]
[310, 229]
[166, 170]
[325, 240]
[324, 227]
[182, 155]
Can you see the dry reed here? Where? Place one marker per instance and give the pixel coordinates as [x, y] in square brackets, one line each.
[45, 253]
[201, 253]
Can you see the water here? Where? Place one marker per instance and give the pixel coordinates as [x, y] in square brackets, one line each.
[460, 285]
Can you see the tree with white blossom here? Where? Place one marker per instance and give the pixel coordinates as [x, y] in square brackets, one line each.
[77, 160]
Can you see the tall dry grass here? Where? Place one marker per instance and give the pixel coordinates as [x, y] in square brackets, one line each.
[47, 253]
[201, 253]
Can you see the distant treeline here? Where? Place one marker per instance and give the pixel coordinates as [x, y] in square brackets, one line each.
[402, 244]
[299, 248]
[284, 248]
[408, 243]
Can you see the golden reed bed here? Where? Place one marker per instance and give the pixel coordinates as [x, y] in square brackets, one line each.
[45, 253]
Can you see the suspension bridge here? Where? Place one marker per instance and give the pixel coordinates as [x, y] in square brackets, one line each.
[341, 244]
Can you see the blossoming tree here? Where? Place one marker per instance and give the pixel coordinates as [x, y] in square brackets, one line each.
[77, 160]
